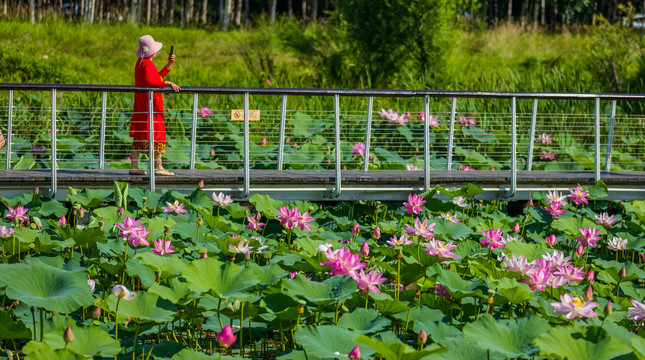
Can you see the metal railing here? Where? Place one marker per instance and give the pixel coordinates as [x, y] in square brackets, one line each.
[370, 130]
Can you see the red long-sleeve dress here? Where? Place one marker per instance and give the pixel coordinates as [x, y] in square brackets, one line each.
[147, 76]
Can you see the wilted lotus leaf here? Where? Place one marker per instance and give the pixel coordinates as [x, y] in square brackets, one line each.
[44, 286]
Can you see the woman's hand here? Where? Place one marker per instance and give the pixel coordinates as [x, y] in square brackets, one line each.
[174, 86]
[171, 59]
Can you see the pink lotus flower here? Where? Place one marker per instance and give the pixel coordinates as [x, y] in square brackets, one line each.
[17, 214]
[545, 139]
[557, 258]
[226, 338]
[204, 111]
[359, 149]
[433, 121]
[555, 209]
[413, 206]
[122, 292]
[242, 247]
[162, 247]
[221, 200]
[394, 242]
[465, 122]
[264, 142]
[343, 262]
[570, 273]
[254, 222]
[518, 264]
[442, 291]
[547, 155]
[5, 232]
[62, 221]
[138, 237]
[606, 220]
[460, 201]
[421, 229]
[556, 196]
[368, 282]
[539, 278]
[492, 238]
[288, 217]
[268, 82]
[302, 220]
[637, 313]
[355, 354]
[449, 217]
[175, 207]
[551, 240]
[588, 237]
[617, 244]
[574, 307]
[439, 249]
[129, 226]
[578, 196]
[468, 168]
[388, 114]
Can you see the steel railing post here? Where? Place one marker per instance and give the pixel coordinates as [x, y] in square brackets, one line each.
[102, 134]
[529, 156]
[337, 144]
[247, 180]
[193, 134]
[283, 123]
[54, 175]
[426, 143]
[151, 140]
[597, 140]
[451, 133]
[368, 133]
[513, 188]
[610, 136]
[9, 130]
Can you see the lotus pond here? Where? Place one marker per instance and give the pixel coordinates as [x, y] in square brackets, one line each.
[133, 274]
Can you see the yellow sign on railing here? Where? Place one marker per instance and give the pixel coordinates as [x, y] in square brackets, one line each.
[238, 115]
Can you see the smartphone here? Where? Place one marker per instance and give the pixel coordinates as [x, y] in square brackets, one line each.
[172, 49]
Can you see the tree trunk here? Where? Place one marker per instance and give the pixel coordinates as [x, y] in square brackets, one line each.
[148, 12]
[220, 12]
[543, 10]
[227, 5]
[247, 18]
[171, 11]
[525, 10]
[32, 11]
[510, 11]
[204, 11]
[555, 13]
[290, 8]
[304, 9]
[189, 11]
[274, 4]
[314, 10]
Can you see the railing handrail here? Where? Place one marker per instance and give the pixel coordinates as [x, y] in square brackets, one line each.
[328, 92]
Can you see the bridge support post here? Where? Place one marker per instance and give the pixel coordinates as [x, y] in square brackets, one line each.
[529, 156]
[426, 143]
[54, 175]
[597, 140]
[151, 141]
[337, 190]
[247, 180]
[451, 134]
[368, 133]
[102, 134]
[193, 134]
[513, 189]
[9, 130]
[283, 123]
[610, 136]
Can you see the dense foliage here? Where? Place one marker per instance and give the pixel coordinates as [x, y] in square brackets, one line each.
[185, 276]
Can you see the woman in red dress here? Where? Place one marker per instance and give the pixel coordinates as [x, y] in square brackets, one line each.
[147, 76]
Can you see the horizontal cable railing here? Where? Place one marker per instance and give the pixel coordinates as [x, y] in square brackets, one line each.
[359, 134]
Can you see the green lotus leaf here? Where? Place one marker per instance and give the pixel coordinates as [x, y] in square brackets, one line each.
[283, 306]
[267, 206]
[169, 265]
[530, 251]
[157, 225]
[329, 342]
[177, 291]
[460, 288]
[11, 330]
[52, 207]
[135, 268]
[36, 350]
[320, 293]
[511, 338]
[88, 342]
[222, 281]
[450, 231]
[598, 191]
[199, 200]
[365, 321]
[390, 306]
[268, 274]
[144, 307]
[580, 343]
[434, 322]
[460, 349]
[89, 198]
[638, 345]
[190, 231]
[190, 354]
[513, 290]
[43, 286]
[399, 350]
[571, 225]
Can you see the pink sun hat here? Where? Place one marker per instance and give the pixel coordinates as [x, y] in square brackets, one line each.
[148, 46]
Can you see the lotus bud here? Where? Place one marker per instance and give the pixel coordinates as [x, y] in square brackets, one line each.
[96, 314]
[36, 190]
[81, 212]
[264, 142]
[204, 255]
[68, 335]
[423, 337]
[201, 184]
[356, 228]
[226, 338]
[62, 221]
[530, 202]
[591, 276]
[355, 354]
[295, 145]
[365, 249]
[607, 310]
[516, 228]
[551, 240]
[622, 273]
[588, 296]
[580, 250]
[376, 234]
[212, 152]
[121, 211]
